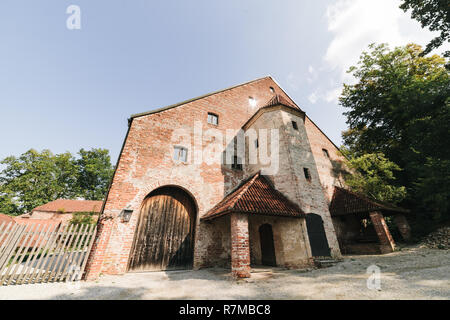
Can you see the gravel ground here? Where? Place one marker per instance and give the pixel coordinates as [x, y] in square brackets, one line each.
[412, 273]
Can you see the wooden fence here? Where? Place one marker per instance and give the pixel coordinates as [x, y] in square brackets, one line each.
[31, 253]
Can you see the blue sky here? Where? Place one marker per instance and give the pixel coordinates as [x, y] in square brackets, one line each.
[64, 89]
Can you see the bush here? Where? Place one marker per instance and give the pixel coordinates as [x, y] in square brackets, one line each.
[84, 218]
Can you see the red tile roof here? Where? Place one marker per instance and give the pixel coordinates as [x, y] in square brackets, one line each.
[44, 224]
[346, 202]
[255, 196]
[5, 218]
[39, 227]
[278, 99]
[70, 206]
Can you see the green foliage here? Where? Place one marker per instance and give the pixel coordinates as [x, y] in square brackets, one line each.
[434, 14]
[36, 178]
[400, 107]
[373, 175]
[84, 218]
[95, 172]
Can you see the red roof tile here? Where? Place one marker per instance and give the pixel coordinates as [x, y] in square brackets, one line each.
[346, 202]
[5, 218]
[44, 224]
[278, 99]
[70, 206]
[255, 196]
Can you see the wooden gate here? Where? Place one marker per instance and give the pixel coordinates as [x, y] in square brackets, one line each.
[317, 236]
[165, 232]
[267, 246]
[35, 253]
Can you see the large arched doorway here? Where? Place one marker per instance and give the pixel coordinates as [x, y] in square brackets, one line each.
[267, 246]
[164, 238]
[317, 236]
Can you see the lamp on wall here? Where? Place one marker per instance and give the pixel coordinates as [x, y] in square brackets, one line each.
[125, 215]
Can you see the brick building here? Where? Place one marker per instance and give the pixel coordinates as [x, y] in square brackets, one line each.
[237, 177]
[62, 210]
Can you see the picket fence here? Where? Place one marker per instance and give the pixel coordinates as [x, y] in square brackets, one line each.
[35, 253]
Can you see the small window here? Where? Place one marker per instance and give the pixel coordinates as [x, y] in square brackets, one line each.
[256, 144]
[326, 154]
[180, 154]
[213, 119]
[294, 125]
[252, 101]
[237, 163]
[307, 174]
[272, 90]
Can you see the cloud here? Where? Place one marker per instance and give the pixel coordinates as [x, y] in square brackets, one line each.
[333, 95]
[292, 81]
[312, 74]
[313, 98]
[357, 23]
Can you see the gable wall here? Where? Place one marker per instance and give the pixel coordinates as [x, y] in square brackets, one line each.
[146, 163]
[296, 154]
[328, 168]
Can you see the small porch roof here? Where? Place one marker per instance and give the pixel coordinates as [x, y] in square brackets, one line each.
[346, 202]
[257, 196]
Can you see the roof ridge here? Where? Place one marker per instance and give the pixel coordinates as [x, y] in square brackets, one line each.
[197, 98]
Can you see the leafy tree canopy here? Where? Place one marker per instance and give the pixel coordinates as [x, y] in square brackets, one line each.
[36, 178]
[373, 175]
[95, 172]
[400, 106]
[434, 14]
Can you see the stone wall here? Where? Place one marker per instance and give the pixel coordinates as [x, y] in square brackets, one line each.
[291, 246]
[329, 168]
[295, 154]
[146, 164]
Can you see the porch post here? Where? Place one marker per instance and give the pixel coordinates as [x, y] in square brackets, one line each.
[403, 226]
[240, 246]
[387, 243]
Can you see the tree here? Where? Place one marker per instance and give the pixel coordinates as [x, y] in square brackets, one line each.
[434, 14]
[94, 173]
[34, 179]
[400, 106]
[373, 175]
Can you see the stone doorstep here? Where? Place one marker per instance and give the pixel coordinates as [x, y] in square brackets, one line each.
[324, 262]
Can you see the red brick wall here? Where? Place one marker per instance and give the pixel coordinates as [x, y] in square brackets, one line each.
[240, 246]
[146, 163]
[387, 243]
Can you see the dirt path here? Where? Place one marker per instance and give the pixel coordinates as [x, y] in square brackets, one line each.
[413, 273]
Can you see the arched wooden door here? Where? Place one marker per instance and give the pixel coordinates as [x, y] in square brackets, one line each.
[267, 245]
[317, 236]
[164, 238]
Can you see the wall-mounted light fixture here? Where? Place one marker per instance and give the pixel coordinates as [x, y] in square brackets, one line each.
[125, 215]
